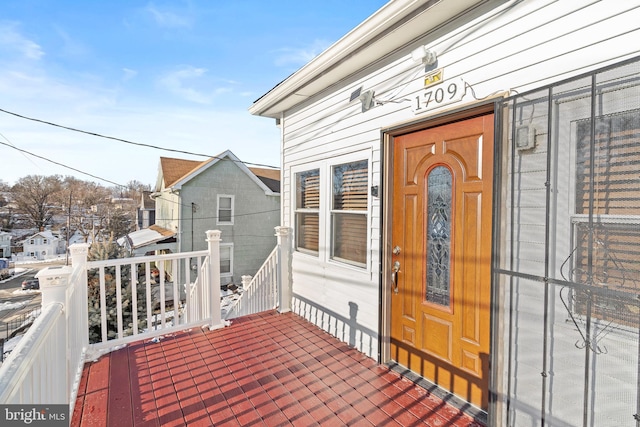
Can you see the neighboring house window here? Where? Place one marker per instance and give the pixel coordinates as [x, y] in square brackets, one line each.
[349, 183]
[225, 209]
[44, 241]
[32, 242]
[307, 218]
[226, 259]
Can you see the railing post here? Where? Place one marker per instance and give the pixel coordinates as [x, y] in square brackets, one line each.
[245, 282]
[284, 269]
[79, 253]
[53, 288]
[213, 241]
[53, 284]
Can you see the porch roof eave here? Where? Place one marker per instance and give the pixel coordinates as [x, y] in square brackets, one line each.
[398, 23]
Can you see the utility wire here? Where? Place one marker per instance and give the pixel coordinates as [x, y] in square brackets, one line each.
[85, 173]
[126, 141]
[25, 156]
[215, 217]
[64, 166]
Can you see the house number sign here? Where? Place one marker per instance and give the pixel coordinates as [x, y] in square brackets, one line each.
[438, 94]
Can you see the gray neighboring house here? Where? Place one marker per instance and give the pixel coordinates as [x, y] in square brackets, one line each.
[220, 193]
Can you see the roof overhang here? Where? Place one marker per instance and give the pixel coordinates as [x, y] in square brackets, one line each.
[395, 25]
[148, 236]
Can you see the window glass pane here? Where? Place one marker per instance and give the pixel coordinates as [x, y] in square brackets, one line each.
[349, 183]
[225, 266]
[224, 215]
[225, 209]
[615, 165]
[607, 252]
[349, 238]
[225, 259]
[308, 200]
[225, 202]
[307, 225]
[350, 186]
[439, 236]
[308, 189]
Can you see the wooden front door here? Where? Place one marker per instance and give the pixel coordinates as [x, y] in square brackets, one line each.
[440, 309]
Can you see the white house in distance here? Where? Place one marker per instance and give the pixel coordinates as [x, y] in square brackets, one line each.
[461, 179]
[5, 244]
[43, 245]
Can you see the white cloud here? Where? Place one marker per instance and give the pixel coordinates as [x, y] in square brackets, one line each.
[128, 74]
[11, 39]
[177, 83]
[299, 56]
[167, 19]
[192, 84]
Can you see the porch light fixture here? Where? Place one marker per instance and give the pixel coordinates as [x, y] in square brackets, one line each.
[424, 55]
[366, 98]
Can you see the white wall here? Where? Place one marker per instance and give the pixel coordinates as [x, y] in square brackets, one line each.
[516, 47]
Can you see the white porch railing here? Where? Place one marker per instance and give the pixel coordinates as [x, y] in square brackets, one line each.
[271, 286]
[260, 292]
[31, 374]
[99, 305]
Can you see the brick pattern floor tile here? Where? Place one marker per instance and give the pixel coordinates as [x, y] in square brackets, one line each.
[266, 369]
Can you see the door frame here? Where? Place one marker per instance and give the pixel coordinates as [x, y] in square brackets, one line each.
[387, 137]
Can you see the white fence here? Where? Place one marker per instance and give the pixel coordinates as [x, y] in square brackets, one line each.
[31, 374]
[135, 298]
[260, 292]
[99, 305]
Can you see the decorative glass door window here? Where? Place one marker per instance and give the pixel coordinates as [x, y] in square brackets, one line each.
[439, 195]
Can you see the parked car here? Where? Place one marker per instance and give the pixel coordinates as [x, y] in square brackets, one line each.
[30, 284]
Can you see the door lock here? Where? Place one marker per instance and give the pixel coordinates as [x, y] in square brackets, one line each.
[394, 276]
[396, 250]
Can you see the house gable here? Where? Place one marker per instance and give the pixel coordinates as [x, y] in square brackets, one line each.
[263, 178]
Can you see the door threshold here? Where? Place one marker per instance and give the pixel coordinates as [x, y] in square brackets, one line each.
[478, 414]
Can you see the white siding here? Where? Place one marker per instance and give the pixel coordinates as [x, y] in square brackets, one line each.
[516, 47]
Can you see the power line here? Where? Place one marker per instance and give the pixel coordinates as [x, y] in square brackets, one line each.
[99, 178]
[63, 165]
[126, 141]
[215, 217]
[25, 156]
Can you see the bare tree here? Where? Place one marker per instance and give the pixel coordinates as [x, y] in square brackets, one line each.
[85, 203]
[35, 198]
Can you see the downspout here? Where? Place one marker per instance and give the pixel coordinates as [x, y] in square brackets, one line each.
[179, 230]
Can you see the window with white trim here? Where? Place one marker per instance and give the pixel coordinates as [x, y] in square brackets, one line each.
[349, 184]
[226, 259]
[307, 213]
[331, 210]
[225, 209]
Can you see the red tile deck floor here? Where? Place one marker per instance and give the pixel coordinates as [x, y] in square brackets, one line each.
[266, 369]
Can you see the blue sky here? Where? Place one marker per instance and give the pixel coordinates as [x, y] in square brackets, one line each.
[175, 74]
